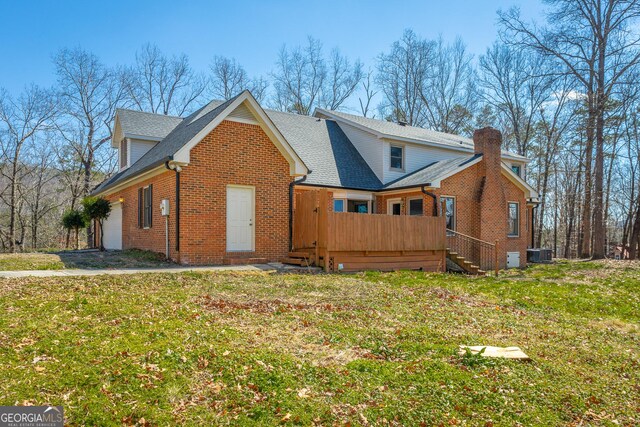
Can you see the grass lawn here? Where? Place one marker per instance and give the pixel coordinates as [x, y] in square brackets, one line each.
[81, 259]
[366, 349]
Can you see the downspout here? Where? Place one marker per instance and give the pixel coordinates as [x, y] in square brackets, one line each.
[291, 185]
[533, 226]
[436, 205]
[177, 169]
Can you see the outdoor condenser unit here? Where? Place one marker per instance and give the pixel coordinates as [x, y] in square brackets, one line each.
[539, 255]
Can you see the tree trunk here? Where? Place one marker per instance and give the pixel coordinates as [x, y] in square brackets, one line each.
[585, 249]
[598, 214]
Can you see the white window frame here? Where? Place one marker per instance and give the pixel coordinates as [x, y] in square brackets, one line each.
[344, 204]
[455, 210]
[509, 203]
[403, 148]
[392, 202]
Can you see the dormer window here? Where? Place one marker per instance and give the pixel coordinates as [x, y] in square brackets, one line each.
[516, 169]
[123, 154]
[397, 157]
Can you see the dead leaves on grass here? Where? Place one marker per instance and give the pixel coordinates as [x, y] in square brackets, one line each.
[269, 306]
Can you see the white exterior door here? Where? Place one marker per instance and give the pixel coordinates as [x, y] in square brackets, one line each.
[112, 228]
[240, 218]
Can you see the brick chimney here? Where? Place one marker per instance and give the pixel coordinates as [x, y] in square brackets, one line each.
[492, 201]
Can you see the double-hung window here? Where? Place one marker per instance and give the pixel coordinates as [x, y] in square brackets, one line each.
[145, 203]
[513, 219]
[397, 157]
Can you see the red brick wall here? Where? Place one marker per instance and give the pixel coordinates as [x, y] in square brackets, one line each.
[232, 154]
[153, 238]
[466, 188]
[240, 154]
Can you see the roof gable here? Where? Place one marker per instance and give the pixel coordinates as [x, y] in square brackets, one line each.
[207, 124]
[140, 125]
[192, 129]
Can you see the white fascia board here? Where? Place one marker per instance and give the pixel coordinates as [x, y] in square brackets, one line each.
[529, 191]
[436, 183]
[133, 180]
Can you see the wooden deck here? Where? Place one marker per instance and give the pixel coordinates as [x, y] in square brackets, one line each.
[339, 241]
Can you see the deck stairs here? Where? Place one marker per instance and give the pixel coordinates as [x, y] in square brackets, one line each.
[466, 265]
[303, 258]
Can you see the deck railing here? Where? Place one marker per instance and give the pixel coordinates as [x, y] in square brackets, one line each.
[480, 253]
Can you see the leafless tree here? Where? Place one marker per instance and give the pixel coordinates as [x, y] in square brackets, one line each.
[596, 42]
[370, 92]
[516, 83]
[450, 90]
[401, 74]
[229, 78]
[21, 120]
[304, 79]
[89, 93]
[342, 80]
[161, 84]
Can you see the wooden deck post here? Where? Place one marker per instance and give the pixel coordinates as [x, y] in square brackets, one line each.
[495, 258]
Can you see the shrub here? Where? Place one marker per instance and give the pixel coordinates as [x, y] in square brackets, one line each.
[74, 219]
[97, 209]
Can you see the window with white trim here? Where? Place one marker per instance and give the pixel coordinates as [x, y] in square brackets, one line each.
[449, 211]
[396, 153]
[338, 205]
[513, 219]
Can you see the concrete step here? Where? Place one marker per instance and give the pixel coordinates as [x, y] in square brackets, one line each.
[244, 261]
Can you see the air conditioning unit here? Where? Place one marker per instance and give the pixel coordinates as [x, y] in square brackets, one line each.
[539, 255]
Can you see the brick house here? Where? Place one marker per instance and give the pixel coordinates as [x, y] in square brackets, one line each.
[228, 177]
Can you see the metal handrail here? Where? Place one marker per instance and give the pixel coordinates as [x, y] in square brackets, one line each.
[479, 252]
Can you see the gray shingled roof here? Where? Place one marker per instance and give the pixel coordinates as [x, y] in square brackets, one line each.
[326, 150]
[320, 143]
[392, 129]
[139, 123]
[431, 173]
[176, 139]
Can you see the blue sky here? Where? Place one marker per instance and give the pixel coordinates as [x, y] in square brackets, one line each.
[250, 31]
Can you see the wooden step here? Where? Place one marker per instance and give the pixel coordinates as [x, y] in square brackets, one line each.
[296, 261]
[300, 254]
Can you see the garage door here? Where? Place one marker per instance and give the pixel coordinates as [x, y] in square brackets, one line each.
[113, 228]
